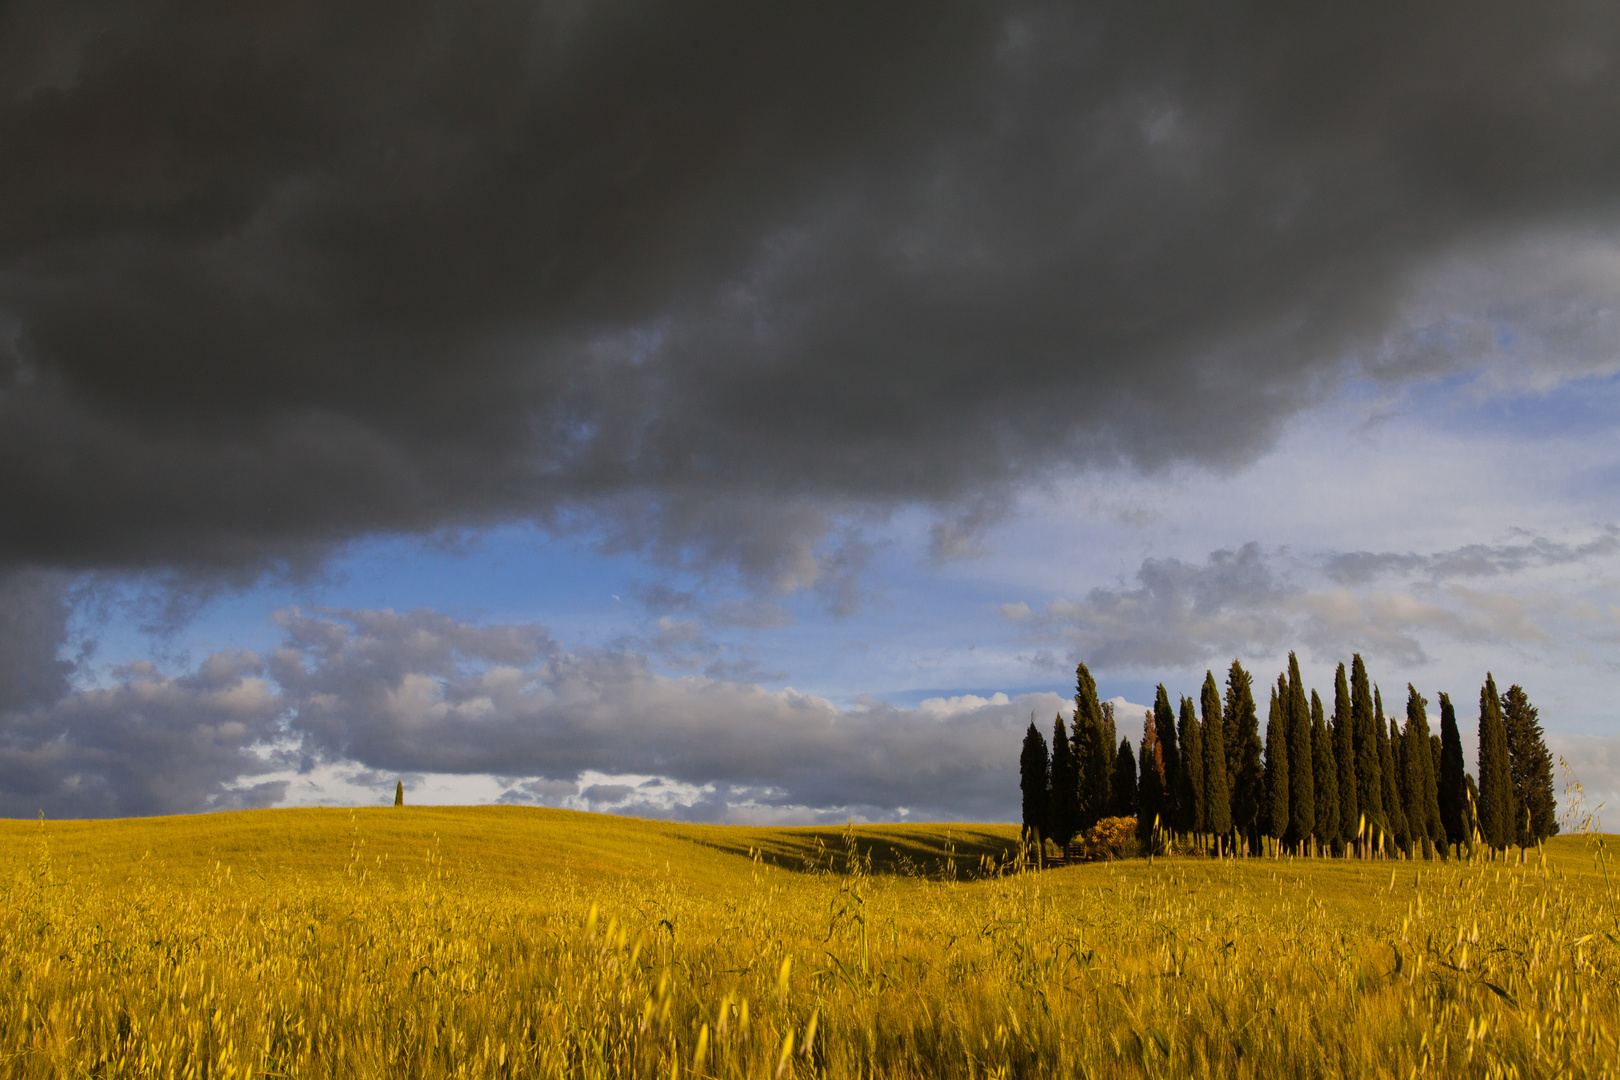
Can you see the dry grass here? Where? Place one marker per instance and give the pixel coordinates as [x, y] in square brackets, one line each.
[509, 942]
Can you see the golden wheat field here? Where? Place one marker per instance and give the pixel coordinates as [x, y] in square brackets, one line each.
[422, 942]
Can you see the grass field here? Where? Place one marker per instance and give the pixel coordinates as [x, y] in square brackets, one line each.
[423, 942]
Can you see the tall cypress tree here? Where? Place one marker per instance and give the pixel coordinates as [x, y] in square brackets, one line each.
[1164, 721]
[1301, 761]
[1327, 778]
[1243, 753]
[1422, 797]
[1192, 815]
[1093, 753]
[1369, 764]
[1149, 783]
[1034, 779]
[1344, 752]
[1277, 779]
[1394, 810]
[1530, 766]
[1124, 781]
[1453, 796]
[1061, 809]
[1434, 760]
[1496, 810]
[1217, 792]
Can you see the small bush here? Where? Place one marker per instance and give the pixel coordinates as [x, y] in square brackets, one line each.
[1111, 838]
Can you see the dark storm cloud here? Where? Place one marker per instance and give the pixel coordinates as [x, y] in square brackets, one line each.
[717, 279]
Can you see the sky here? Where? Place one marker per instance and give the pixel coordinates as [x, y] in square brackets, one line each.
[754, 413]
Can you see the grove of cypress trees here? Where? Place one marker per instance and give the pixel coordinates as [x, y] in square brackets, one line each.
[1149, 783]
[1344, 753]
[1301, 761]
[1217, 792]
[1124, 781]
[1243, 754]
[1327, 778]
[1034, 780]
[1453, 796]
[1394, 810]
[1496, 810]
[1369, 764]
[1530, 766]
[1061, 810]
[1422, 798]
[1277, 780]
[1191, 816]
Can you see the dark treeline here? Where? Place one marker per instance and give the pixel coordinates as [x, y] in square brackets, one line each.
[1350, 783]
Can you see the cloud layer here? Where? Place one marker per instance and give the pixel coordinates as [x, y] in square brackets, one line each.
[717, 280]
[401, 694]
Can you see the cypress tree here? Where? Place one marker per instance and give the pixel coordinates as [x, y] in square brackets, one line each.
[1093, 753]
[1394, 812]
[1217, 790]
[1301, 761]
[1369, 765]
[1192, 816]
[1124, 781]
[1496, 810]
[1164, 721]
[1327, 778]
[1150, 782]
[1344, 752]
[1530, 766]
[1453, 796]
[1422, 795]
[399, 793]
[1471, 809]
[1243, 754]
[1277, 782]
[1434, 760]
[1061, 809]
[1034, 780]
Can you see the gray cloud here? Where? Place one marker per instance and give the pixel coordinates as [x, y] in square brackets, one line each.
[1248, 603]
[381, 694]
[716, 281]
[151, 744]
[1470, 560]
[555, 715]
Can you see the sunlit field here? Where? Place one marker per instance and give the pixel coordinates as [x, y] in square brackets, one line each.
[421, 942]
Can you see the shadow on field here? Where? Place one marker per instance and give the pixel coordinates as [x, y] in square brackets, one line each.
[931, 851]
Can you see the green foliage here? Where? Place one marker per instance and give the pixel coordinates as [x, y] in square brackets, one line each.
[1367, 730]
[1149, 783]
[1344, 753]
[1243, 753]
[1190, 808]
[1301, 760]
[1497, 811]
[399, 793]
[1422, 795]
[1217, 783]
[1034, 782]
[1062, 808]
[1124, 781]
[1093, 753]
[1530, 767]
[1452, 794]
[1277, 780]
[1164, 724]
[1390, 791]
[1327, 778]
